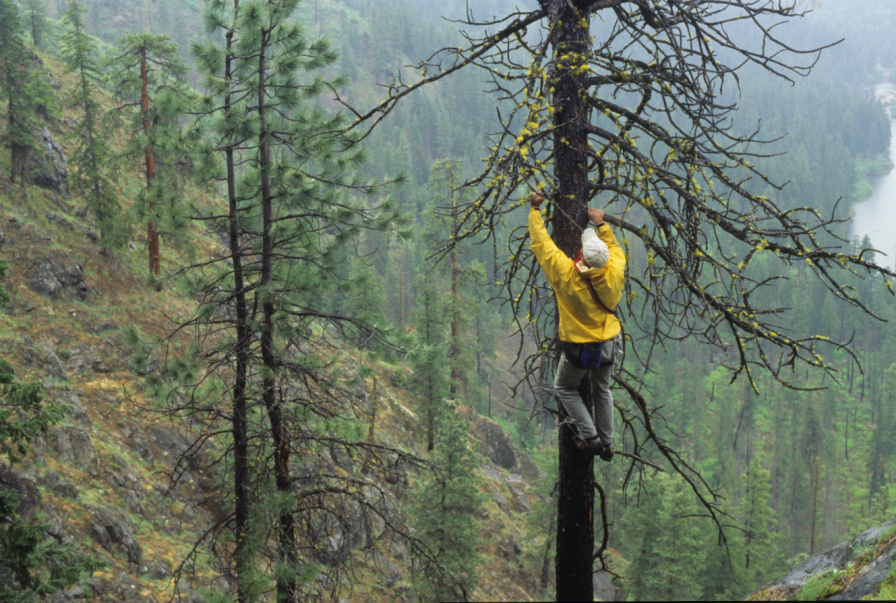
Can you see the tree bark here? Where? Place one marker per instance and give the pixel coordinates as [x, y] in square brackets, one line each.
[239, 421]
[286, 586]
[152, 235]
[455, 309]
[575, 509]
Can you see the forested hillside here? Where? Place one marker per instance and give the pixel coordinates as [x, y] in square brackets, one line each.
[204, 262]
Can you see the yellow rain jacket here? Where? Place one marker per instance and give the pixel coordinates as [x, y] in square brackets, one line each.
[581, 320]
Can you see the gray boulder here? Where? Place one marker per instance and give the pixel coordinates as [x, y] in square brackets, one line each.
[604, 589]
[495, 444]
[499, 447]
[57, 275]
[388, 571]
[65, 395]
[73, 445]
[96, 358]
[59, 486]
[140, 443]
[111, 529]
[43, 357]
[520, 502]
[495, 494]
[174, 447]
[159, 570]
[46, 165]
[25, 485]
[56, 527]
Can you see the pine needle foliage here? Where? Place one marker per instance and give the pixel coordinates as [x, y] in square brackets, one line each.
[146, 68]
[91, 152]
[20, 88]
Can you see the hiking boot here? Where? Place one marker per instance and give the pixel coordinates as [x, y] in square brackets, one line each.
[592, 446]
[606, 452]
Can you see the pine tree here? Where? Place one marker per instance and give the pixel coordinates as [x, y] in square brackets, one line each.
[665, 543]
[430, 363]
[466, 277]
[445, 508]
[366, 302]
[149, 66]
[759, 543]
[91, 149]
[264, 322]
[883, 450]
[37, 21]
[21, 89]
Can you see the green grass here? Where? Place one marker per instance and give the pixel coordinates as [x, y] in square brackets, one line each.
[887, 588]
[819, 587]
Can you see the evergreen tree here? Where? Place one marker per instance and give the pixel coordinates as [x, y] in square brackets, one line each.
[758, 541]
[91, 148]
[37, 21]
[430, 362]
[882, 447]
[148, 66]
[264, 321]
[21, 89]
[366, 302]
[665, 543]
[466, 277]
[445, 508]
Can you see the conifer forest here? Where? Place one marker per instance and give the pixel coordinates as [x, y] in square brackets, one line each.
[271, 328]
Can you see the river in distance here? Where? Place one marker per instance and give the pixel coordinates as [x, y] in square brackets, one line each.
[876, 216]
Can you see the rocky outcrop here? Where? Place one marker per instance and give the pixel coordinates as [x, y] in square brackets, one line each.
[855, 569]
[41, 356]
[604, 589]
[59, 486]
[57, 275]
[25, 485]
[73, 445]
[47, 166]
[498, 447]
[112, 529]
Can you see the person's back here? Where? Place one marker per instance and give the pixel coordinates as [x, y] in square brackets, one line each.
[587, 291]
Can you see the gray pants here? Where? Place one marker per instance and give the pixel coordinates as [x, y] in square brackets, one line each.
[566, 385]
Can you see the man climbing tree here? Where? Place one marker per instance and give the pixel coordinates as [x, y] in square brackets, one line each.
[635, 110]
[587, 326]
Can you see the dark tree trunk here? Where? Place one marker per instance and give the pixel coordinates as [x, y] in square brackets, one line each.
[17, 152]
[152, 235]
[575, 517]
[575, 509]
[286, 586]
[240, 415]
[455, 311]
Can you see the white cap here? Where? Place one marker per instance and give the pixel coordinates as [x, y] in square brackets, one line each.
[594, 251]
